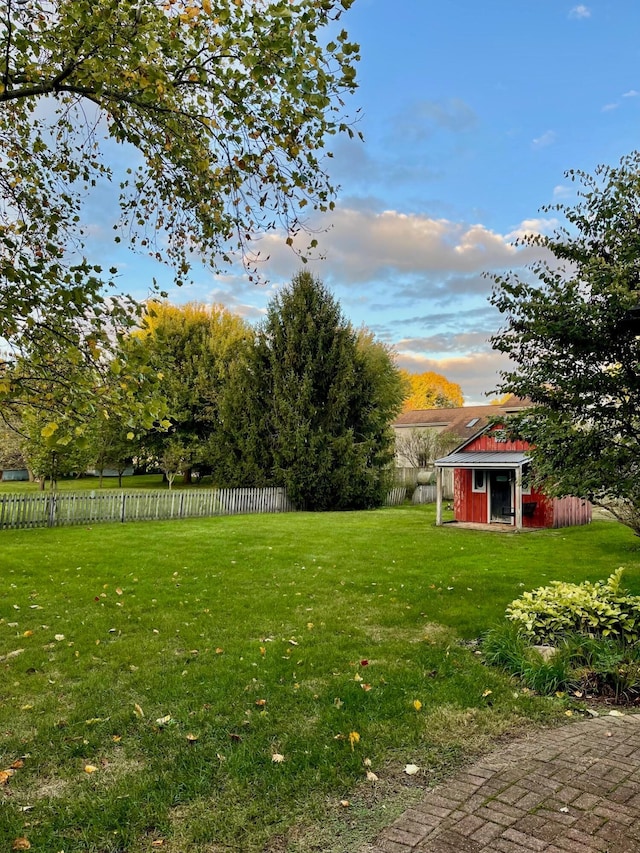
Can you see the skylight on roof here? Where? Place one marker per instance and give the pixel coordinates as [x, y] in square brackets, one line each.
[473, 422]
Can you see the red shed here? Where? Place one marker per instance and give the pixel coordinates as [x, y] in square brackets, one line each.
[490, 486]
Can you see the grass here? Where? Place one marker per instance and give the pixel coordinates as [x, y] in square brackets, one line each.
[74, 484]
[328, 639]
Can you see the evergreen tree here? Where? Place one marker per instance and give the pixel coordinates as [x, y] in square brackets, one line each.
[328, 401]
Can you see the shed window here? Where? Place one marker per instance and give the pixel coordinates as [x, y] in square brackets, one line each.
[479, 480]
[473, 422]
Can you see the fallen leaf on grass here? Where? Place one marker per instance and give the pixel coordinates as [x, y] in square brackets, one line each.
[59, 637]
[486, 693]
[5, 775]
[28, 634]
[417, 704]
[192, 738]
[616, 714]
[261, 703]
[345, 804]
[21, 843]
[17, 764]
[162, 721]
[138, 710]
[411, 769]
[277, 758]
[371, 776]
[90, 768]
[354, 738]
[158, 842]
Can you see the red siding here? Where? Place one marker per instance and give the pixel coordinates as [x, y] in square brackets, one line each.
[486, 441]
[468, 505]
[543, 513]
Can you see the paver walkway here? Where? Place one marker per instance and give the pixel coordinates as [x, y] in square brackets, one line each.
[575, 788]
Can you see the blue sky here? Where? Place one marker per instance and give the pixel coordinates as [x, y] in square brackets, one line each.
[471, 114]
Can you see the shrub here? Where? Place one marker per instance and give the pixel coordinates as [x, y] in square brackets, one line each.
[507, 647]
[600, 609]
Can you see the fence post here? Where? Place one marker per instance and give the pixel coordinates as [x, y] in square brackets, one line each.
[52, 511]
[123, 505]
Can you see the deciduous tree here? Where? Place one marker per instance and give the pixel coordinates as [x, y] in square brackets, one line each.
[573, 336]
[193, 348]
[430, 390]
[221, 108]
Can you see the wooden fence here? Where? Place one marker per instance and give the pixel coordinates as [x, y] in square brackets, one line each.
[67, 508]
[396, 496]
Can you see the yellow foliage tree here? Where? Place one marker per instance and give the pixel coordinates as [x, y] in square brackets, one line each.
[430, 390]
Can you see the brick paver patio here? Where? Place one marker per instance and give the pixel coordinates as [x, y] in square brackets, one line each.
[575, 788]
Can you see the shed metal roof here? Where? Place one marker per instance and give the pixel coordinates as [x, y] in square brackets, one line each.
[496, 459]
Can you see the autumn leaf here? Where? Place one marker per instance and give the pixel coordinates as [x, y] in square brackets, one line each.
[192, 738]
[354, 738]
[277, 758]
[17, 764]
[371, 776]
[5, 775]
[345, 804]
[411, 769]
[162, 721]
[90, 768]
[417, 704]
[21, 843]
[261, 703]
[138, 710]
[487, 693]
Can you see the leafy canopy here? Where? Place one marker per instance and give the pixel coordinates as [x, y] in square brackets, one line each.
[221, 108]
[572, 335]
[430, 390]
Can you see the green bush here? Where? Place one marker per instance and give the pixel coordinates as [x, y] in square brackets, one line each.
[580, 664]
[600, 609]
[507, 647]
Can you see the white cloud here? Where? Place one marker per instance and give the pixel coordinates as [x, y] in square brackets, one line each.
[477, 373]
[561, 191]
[609, 107]
[631, 94]
[533, 228]
[363, 246]
[580, 12]
[547, 138]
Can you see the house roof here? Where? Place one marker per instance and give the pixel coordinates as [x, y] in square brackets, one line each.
[464, 422]
[492, 459]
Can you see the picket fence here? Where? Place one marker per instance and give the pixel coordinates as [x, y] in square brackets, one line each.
[66, 508]
[59, 509]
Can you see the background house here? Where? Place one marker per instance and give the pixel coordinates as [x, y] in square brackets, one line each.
[424, 435]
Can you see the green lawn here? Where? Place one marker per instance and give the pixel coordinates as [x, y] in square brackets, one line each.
[139, 481]
[332, 640]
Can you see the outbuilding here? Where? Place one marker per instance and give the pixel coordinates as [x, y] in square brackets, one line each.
[491, 486]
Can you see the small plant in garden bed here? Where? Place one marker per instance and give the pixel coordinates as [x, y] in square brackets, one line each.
[580, 638]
